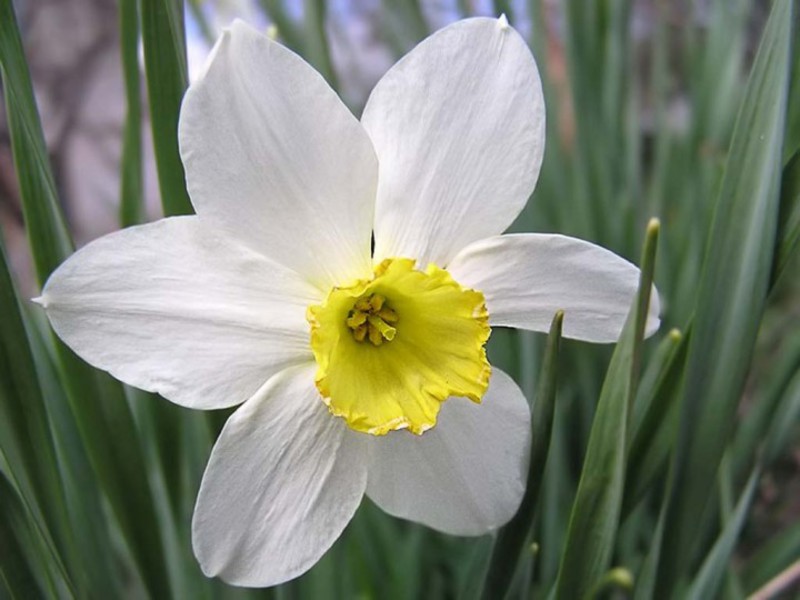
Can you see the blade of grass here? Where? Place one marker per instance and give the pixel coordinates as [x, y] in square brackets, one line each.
[596, 511]
[792, 145]
[47, 235]
[772, 558]
[511, 539]
[654, 437]
[646, 578]
[97, 401]
[712, 572]
[167, 78]
[787, 240]
[131, 206]
[731, 294]
[25, 438]
[25, 571]
[84, 500]
[316, 45]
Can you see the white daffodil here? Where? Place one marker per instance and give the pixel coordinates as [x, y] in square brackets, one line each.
[360, 370]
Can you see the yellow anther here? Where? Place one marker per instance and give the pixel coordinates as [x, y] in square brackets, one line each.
[375, 336]
[358, 318]
[376, 302]
[388, 315]
[360, 333]
[363, 305]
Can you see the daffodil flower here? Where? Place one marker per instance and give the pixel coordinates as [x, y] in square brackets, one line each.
[360, 370]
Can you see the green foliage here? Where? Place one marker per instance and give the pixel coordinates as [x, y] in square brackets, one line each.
[738, 261]
[595, 513]
[167, 78]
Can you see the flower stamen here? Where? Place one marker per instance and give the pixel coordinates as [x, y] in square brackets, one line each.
[370, 318]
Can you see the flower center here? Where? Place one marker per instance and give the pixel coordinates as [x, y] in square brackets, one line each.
[391, 349]
[370, 320]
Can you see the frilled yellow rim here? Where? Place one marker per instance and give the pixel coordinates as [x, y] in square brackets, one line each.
[391, 349]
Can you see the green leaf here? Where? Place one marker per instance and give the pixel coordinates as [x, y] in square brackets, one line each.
[97, 401]
[788, 236]
[646, 578]
[655, 425]
[596, 511]
[712, 572]
[166, 72]
[511, 539]
[25, 569]
[731, 294]
[781, 433]
[771, 559]
[47, 234]
[25, 440]
[754, 428]
[792, 145]
[316, 46]
[131, 201]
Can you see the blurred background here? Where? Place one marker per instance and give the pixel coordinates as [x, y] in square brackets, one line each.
[642, 96]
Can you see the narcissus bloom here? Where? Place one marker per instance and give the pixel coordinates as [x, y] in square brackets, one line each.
[361, 369]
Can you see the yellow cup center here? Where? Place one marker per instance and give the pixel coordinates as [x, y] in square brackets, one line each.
[391, 349]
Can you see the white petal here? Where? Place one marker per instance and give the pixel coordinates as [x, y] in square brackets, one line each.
[466, 476]
[284, 479]
[171, 308]
[458, 126]
[526, 278]
[273, 156]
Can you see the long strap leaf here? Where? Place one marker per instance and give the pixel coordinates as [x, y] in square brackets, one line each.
[731, 295]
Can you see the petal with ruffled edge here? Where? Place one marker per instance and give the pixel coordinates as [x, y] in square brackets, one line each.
[171, 308]
[458, 127]
[273, 156]
[284, 479]
[527, 277]
[466, 476]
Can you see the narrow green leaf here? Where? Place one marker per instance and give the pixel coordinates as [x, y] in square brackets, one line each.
[646, 578]
[23, 567]
[754, 428]
[731, 294]
[25, 439]
[316, 46]
[784, 422]
[654, 431]
[511, 539]
[84, 501]
[97, 401]
[595, 513]
[48, 236]
[131, 201]
[166, 72]
[771, 559]
[792, 145]
[710, 577]
[788, 236]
